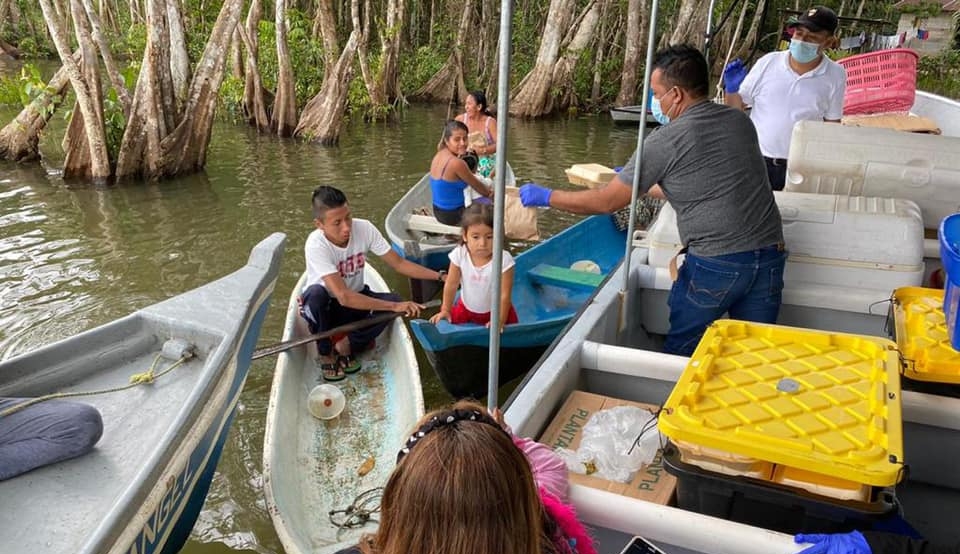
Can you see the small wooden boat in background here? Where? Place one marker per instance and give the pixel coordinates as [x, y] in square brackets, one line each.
[546, 294]
[142, 487]
[631, 115]
[312, 467]
[418, 243]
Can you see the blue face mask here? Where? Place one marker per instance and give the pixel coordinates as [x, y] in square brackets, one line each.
[657, 111]
[804, 52]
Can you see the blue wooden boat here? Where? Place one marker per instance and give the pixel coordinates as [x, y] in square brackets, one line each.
[546, 295]
[142, 487]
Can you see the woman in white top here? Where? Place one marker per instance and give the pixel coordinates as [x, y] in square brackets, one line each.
[470, 267]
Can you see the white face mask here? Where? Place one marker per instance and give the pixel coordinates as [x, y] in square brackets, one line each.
[804, 52]
[656, 110]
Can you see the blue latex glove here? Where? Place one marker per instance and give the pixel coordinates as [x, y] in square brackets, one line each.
[533, 195]
[733, 76]
[839, 543]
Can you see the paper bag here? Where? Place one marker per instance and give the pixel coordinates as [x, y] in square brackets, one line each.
[519, 223]
[476, 140]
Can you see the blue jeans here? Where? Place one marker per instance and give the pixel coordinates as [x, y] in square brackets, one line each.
[748, 285]
[323, 312]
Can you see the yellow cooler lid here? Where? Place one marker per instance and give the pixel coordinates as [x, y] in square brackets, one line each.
[921, 334]
[826, 402]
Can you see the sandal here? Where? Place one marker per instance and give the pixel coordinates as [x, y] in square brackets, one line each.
[331, 371]
[348, 363]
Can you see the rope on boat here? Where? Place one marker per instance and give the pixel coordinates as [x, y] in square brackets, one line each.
[360, 511]
[137, 379]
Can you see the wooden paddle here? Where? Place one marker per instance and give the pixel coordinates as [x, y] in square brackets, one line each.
[346, 328]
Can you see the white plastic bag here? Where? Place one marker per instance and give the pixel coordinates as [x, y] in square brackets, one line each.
[607, 440]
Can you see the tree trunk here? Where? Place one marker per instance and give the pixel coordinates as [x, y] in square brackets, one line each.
[751, 37]
[563, 95]
[732, 38]
[374, 88]
[328, 32]
[179, 59]
[390, 49]
[89, 106]
[447, 83]
[185, 149]
[19, 140]
[140, 155]
[254, 103]
[599, 57]
[4, 8]
[323, 114]
[531, 96]
[633, 46]
[151, 149]
[236, 55]
[691, 23]
[284, 118]
[113, 72]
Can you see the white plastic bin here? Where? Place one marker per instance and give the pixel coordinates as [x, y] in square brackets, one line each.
[828, 158]
[844, 242]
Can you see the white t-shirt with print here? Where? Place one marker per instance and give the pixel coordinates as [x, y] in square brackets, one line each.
[475, 282]
[325, 258]
[780, 98]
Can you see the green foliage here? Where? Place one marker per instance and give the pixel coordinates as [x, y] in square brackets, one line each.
[230, 98]
[940, 74]
[306, 56]
[9, 90]
[114, 123]
[22, 89]
[417, 69]
[131, 43]
[923, 9]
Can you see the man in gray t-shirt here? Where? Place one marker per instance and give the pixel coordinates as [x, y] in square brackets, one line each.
[705, 160]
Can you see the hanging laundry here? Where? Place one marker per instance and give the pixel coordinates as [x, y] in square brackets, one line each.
[923, 34]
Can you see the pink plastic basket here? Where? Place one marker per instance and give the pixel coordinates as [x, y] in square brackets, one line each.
[881, 81]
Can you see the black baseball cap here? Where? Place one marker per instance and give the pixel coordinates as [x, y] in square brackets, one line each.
[818, 18]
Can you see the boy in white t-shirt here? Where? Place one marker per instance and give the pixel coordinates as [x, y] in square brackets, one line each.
[335, 294]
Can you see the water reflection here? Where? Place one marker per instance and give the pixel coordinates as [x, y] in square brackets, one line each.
[73, 257]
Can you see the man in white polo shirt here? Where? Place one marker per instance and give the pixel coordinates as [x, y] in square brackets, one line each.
[789, 86]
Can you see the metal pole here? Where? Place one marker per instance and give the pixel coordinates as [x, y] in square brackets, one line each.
[635, 194]
[708, 37]
[499, 197]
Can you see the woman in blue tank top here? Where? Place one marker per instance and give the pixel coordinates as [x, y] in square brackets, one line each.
[449, 175]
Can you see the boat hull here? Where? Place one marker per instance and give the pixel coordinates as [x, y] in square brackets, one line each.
[143, 486]
[458, 353]
[311, 466]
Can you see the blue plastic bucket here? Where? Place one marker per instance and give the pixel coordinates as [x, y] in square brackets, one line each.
[950, 256]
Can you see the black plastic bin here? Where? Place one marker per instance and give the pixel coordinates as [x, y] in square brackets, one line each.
[930, 387]
[769, 505]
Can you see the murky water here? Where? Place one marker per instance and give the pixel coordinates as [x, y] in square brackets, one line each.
[73, 257]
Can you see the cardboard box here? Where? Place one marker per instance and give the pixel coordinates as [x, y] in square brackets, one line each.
[652, 483]
[898, 122]
[590, 175]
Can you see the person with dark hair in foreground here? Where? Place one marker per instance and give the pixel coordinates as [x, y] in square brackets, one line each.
[705, 160]
[870, 542]
[464, 484]
[335, 294]
[44, 433]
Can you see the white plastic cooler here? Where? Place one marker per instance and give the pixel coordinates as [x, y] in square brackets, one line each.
[828, 158]
[842, 241]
